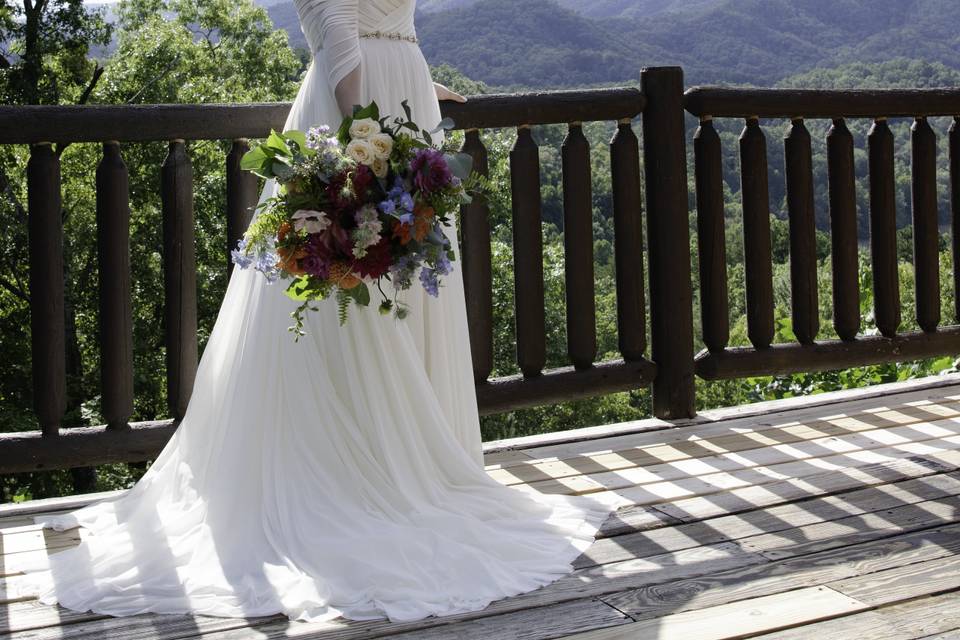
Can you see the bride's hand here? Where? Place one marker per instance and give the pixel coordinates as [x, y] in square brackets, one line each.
[443, 93]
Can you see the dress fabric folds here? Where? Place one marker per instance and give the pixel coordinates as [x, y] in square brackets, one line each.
[341, 475]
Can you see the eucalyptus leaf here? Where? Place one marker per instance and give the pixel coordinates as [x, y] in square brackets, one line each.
[460, 164]
[444, 125]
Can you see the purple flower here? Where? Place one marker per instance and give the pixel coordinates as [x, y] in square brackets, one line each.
[430, 282]
[240, 256]
[430, 170]
[397, 188]
[388, 206]
[316, 265]
[444, 267]
[406, 218]
[406, 201]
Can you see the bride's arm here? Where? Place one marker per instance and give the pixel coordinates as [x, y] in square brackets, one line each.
[445, 93]
[341, 47]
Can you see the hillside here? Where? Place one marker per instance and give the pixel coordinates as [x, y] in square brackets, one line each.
[730, 41]
[596, 9]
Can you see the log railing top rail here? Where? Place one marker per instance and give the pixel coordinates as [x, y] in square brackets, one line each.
[721, 102]
[144, 123]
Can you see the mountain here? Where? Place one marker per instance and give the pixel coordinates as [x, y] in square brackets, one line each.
[539, 43]
[596, 9]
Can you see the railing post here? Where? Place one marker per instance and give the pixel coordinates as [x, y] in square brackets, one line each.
[47, 320]
[241, 197]
[116, 319]
[668, 242]
[180, 284]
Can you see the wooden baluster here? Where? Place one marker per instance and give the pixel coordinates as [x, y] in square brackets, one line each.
[578, 248]
[180, 286]
[883, 230]
[955, 210]
[241, 197]
[47, 320]
[757, 254]
[528, 253]
[711, 237]
[668, 243]
[628, 241]
[926, 254]
[803, 236]
[116, 322]
[477, 269]
[843, 231]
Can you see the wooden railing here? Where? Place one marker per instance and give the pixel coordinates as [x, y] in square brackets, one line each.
[112, 126]
[671, 365]
[852, 349]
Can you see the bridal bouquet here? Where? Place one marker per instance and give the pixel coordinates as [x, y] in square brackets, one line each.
[354, 207]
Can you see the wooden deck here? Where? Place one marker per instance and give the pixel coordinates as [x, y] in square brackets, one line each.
[835, 516]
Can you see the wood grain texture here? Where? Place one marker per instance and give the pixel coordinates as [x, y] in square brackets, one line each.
[711, 237]
[737, 619]
[45, 238]
[668, 243]
[821, 103]
[741, 514]
[628, 242]
[805, 311]
[113, 261]
[741, 583]
[883, 229]
[578, 249]
[757, 257]
[842, 183]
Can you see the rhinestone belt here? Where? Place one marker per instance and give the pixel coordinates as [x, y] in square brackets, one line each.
[387, 35]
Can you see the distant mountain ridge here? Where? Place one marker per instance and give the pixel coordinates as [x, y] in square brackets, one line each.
[597, 8]
[544, 43]
[541, 43]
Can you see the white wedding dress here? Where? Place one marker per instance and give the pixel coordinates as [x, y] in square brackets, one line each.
[341, 475]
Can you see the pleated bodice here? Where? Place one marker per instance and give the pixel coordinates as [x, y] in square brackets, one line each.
[388, 16]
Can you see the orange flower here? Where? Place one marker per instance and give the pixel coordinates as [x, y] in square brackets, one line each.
[341, 275]
[401, 231]
[422, 222]
[284, 229]
[289, 257]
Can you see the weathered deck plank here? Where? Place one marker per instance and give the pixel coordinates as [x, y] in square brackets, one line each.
[839, 520]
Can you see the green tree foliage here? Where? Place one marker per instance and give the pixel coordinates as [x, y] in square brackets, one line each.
[166, 52]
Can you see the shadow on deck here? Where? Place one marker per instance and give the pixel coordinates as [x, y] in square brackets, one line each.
[836, 515]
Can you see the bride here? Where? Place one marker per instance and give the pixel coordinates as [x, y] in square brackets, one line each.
[341, 475]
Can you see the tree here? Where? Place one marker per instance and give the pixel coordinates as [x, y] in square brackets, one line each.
[184, 51]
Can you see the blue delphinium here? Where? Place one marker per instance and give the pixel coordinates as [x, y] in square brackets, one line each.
[430, 282]
[240, 256]
[263, 260]
[444, 266]
[388, 206]
[406, 201]
[397, 189]
[267, 265]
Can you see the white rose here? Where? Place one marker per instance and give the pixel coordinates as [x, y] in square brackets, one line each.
[361, 151]
[380, 167]
[310, 221]
[382, 144]
[364, 128]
